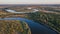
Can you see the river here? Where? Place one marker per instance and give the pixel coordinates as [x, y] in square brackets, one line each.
[35, 27]
[13, 11]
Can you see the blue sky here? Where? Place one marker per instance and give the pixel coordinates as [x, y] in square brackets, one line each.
[29, 1]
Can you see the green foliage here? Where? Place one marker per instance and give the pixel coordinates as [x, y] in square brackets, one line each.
[50, 19]
[14, 27]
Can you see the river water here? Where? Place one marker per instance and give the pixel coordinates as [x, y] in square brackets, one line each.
[13, 11]
[35, 27]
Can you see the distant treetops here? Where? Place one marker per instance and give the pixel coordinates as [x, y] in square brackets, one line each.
[14, 27]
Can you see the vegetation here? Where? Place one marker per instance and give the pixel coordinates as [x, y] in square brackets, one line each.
[52, 9]
[50, 19]
[4, 14]
[14, 27]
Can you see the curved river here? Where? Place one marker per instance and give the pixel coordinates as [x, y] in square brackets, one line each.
[13, 11]
[35, 27]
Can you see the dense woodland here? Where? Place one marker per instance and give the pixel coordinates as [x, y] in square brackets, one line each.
[50, 19]
[14, 27]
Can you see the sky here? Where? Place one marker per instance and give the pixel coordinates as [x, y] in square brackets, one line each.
[29, 1]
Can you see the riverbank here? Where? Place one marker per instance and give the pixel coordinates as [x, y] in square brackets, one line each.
[35, 27]
[14, 27]
[49, 19]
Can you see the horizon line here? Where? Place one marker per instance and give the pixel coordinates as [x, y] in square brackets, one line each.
[28, 4]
